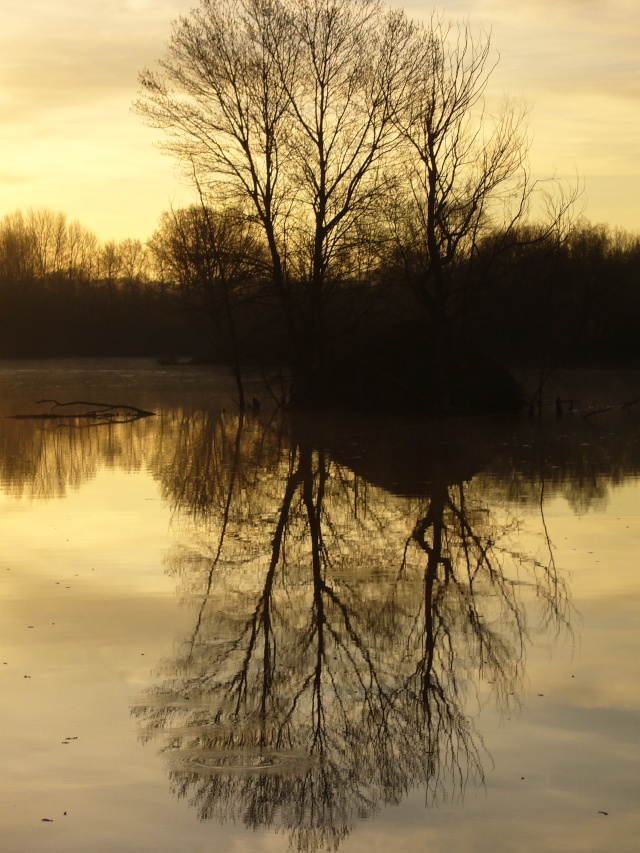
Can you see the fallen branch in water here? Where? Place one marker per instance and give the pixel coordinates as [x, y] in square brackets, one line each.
[631, 403]
[597, 412]
[99, 413]
[622, 406]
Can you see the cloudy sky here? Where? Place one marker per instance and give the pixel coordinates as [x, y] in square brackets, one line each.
[69, 73]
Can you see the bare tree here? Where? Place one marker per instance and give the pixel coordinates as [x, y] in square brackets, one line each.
[110, 262]
[465, 168]
[134, 259]
[17, 261]
[288, 104]
[214, 258]
[82, 252]
[315, 116]
[465, 180]
[352, 72]
[48, 234]
[42, 244]
[219, 98]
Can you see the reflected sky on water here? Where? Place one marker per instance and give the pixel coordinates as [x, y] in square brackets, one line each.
[315, 632]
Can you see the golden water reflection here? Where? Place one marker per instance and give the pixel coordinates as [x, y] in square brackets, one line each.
[344, 633]
[360, 593]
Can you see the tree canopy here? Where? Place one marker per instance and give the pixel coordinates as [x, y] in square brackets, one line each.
[338, 124]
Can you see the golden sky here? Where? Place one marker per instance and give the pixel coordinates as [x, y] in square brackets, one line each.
[69, 73]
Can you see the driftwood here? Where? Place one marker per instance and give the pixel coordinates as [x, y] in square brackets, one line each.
[97, 413]
[623, 406]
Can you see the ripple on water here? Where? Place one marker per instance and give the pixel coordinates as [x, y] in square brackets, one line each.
[239, 761]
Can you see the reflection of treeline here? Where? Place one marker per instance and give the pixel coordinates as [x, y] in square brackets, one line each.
[201, 284]
[580, 459]
[189, 450]
[47, 459]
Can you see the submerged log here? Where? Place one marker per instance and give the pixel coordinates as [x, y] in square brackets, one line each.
[97, 413]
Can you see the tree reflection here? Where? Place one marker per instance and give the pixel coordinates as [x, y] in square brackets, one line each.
[343, 639]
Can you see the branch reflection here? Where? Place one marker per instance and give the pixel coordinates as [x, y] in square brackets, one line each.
[344, 636]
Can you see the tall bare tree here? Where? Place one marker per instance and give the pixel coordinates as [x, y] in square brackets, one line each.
[352, 74]
[219, 96]
[315, 115]
[288, 104]
[465, 181]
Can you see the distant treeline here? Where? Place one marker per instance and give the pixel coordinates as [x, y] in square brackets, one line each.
[576, 302]
[200, 287]
[65, 293]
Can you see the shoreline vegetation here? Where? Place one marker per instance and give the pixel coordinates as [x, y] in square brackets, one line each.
[576, 307]
[367, 233]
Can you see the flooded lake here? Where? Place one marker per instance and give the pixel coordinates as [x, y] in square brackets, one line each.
[266, 633]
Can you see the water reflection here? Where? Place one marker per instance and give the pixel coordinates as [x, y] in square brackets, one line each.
[578, 459]
[359, 592]
[345, 634]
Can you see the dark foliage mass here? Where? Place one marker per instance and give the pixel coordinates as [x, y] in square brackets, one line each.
[200, 289]
[62, 293]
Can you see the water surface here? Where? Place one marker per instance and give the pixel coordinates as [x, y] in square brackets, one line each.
[226, 632]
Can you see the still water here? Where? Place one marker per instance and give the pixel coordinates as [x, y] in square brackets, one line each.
[257, 633]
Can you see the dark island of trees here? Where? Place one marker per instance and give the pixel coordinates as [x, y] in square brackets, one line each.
[366, 229]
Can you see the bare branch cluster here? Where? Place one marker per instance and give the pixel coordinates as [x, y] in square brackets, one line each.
[333, 124]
